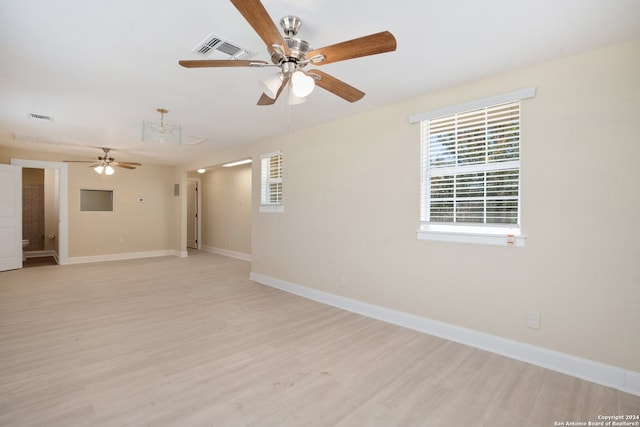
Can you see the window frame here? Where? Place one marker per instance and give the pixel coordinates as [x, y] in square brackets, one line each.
[266, 180]
[490, 234]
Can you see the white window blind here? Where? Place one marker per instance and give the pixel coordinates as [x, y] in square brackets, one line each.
[471, 167]
[271, 180]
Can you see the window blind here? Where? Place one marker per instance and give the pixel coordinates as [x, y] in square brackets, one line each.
[471, 166]
[271, 179]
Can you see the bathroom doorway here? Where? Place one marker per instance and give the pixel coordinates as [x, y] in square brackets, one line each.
[54, 238]
[40, 211]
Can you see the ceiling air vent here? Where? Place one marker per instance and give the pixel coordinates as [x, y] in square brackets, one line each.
[216, 46]
[40, 117]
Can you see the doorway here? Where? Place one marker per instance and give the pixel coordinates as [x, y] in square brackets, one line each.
[193, 216]
[61, 188]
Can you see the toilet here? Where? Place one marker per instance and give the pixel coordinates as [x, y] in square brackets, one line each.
[25, 243]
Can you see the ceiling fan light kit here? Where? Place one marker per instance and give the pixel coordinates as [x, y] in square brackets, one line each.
[105, 163]
[161, 132]
[271, 85]
[301, 84]
[292, 55]
[292, 99]
[107, 170]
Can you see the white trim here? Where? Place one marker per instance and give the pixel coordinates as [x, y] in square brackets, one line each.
[607, 375]
[124, 256]
[460, 236]
[63, 201]
[271, 208]
[227, 252]
[515, 95]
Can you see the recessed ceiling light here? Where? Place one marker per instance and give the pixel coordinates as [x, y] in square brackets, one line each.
[202, 170]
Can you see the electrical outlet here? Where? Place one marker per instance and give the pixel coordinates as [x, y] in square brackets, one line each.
[533, 319]
[344, 280]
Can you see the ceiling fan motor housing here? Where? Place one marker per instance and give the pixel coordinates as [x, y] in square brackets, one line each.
[298, 50]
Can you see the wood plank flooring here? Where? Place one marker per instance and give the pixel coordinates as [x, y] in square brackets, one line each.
[193, 342]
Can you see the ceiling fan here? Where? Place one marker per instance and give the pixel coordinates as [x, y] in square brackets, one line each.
[292, 55]
[105, 163]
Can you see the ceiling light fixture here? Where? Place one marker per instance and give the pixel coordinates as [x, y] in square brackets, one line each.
[292, 99]
[271, 85]
[202, 170]
[238, 163]
[161, 132]
[104, 169]
[301, 84]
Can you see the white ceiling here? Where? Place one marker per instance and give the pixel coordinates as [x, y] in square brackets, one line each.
[100, 67]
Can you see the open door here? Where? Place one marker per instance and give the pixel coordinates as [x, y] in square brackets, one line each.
[10, 217]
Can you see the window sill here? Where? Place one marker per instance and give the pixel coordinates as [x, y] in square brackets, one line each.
[271, 208]
[495, 236]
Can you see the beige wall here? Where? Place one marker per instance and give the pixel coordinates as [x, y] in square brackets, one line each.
[351, 196]
[226, 209]
[133, 227]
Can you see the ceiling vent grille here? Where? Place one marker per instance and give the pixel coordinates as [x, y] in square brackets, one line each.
[40, 117]
[215, 45]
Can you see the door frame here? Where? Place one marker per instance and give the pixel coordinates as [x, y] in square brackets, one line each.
[198, 182]
[63, 201]
[11, 218]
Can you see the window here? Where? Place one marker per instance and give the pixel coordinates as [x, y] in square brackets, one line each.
[470, 185]
[271, 182]
[96, 200]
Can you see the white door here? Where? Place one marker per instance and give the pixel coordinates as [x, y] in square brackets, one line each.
[10, 217]
[192, 214]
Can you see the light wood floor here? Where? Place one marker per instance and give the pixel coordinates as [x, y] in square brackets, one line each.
[192, 342]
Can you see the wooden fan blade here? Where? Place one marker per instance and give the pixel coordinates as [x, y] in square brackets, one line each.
[129, 163]
[372, 44]
[267, 100]
[123, 165]
[258, 17]
[79, 161]
[337, 87]
[206, 63]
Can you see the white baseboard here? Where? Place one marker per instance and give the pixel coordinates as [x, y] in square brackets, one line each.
[123, 256]
[226, 252]
[596, 372]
